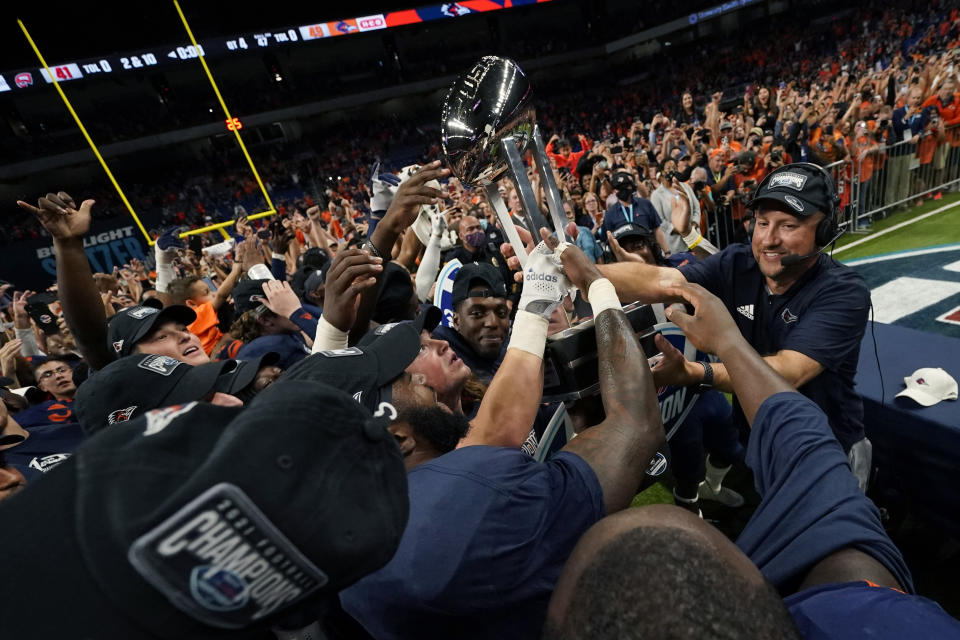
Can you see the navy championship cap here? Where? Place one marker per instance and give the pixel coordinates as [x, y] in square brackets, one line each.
[131, 325]
[803, 188]
[367, 371]
[131, 386]
[489, 279]
[206, 521]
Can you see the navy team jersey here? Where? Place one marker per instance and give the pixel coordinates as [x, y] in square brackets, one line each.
[863, 610]
[823, 316]
[812, 507]
[55, 412]
[489, 531]
[44, 448]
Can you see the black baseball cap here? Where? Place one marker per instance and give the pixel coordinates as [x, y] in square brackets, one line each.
[427, 319]
[489, 277]
[395, 297]
[248, 294]
[131, 325]
[236, 379]
[207, 521]
[131, 386]
[366, 371]
[631, 230]
[623, 180]
[802, 188]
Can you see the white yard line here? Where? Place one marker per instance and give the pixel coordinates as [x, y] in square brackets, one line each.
[897, 226]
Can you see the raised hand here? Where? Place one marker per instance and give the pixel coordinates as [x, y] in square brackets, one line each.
[352, 272]
[20, 306]
[60, 216]
[621, 254]
[680, 210]
[8, 358]
[413, 193]
[280, 298]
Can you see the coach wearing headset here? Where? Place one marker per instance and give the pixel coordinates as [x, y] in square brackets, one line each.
[801, 310]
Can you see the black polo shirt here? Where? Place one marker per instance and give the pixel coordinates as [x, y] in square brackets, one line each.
[823, 316]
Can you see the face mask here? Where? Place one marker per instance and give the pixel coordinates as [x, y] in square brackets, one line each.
[483, 224]
[474, 239]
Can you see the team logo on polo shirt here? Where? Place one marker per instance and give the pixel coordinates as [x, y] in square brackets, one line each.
[118, 346]
[746, 311]
[220, 560]
[142, 312]
[164, 365]
[788, 317]
[788, 179]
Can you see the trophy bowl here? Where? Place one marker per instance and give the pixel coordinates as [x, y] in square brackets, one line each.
[488, 103]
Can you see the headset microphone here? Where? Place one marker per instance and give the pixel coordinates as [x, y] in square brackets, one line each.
[792, 258]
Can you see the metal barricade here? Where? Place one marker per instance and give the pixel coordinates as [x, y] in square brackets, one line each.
[901, 175]
[871, 183]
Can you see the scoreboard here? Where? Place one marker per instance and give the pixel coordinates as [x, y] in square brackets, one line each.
[262, 40]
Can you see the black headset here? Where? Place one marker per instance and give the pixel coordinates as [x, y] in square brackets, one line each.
[827, 228]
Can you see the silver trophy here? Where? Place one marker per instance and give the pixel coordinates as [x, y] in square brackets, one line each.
[488, 123]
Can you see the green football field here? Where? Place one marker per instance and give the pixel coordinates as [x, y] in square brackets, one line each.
[938, 229]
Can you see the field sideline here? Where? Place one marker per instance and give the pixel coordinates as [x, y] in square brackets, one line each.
[939, 229]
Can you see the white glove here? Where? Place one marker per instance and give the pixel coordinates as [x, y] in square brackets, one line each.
[438, 225]
[544, 283]
[384, 187]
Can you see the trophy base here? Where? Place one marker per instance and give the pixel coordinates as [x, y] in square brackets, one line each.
[570, 362]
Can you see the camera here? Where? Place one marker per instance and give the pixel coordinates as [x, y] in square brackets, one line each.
[671, 175]
[776, 156]
[699, 186]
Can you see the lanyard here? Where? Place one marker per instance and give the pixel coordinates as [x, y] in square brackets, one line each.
[624, 210]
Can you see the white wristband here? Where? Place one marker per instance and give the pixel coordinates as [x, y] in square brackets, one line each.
[329, 337]
[691, 237]
[602, 296]
[529, 333]
[277, 256]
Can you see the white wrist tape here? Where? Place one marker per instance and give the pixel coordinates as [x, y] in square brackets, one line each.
[529, 333]
[692, 237]
[329, 337]
[602, 296]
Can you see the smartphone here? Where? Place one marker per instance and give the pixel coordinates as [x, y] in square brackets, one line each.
[264, 234]
[44, 297]
[43, 317]
[195, 243]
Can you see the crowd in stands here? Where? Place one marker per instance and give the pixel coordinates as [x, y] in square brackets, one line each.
[335, 419]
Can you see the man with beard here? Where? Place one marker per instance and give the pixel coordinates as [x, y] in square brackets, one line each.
[481, 319]
[803, 311]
